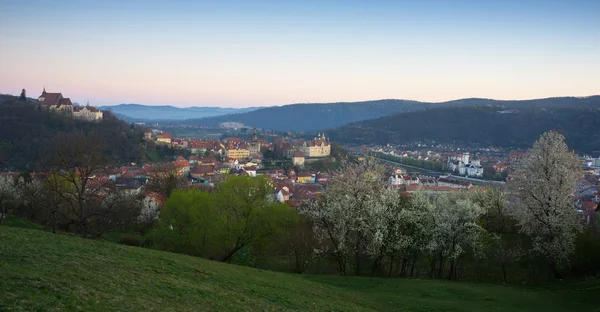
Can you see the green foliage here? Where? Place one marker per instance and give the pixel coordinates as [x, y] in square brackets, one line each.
[45, 272]
[239, 215]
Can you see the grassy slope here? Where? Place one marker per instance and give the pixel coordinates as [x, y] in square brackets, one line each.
[41, 271]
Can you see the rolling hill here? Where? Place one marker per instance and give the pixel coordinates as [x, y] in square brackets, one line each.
[312, 117]
[45, 272]
[166, 112]
[27, 133]
[480, 126]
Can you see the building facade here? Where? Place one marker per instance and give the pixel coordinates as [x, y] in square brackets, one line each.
[254, 144]
[89, 113]
[317, 147]
[238, 153]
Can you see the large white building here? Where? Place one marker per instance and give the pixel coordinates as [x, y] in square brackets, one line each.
[318, 147]
[464, 166]
[89, 113]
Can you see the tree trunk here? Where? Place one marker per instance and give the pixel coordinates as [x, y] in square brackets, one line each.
[227, 256]
[412, 266]
[391, 266]
[404, 268]
[504, 273]
[555, 271]
[451, 270]
[357, 257]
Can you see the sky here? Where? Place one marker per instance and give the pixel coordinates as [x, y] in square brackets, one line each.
[262, 53]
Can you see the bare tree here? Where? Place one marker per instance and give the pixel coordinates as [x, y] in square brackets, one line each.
[164, 179]
[544, 183]
[78, 164]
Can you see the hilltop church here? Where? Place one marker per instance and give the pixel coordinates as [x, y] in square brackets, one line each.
[56, 102]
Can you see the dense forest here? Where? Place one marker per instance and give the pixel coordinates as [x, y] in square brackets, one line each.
[312, 117]
[27, 133]
[479, 126]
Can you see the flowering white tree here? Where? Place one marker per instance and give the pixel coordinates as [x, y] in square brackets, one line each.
[149, 212]
[348, 215]
[8, 195]
[544, 183]
[454, 230]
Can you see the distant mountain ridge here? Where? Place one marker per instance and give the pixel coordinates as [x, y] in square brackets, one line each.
[313, 117]
[514, 125]
[167, 112]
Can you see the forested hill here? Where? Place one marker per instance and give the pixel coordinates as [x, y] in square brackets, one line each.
[26, 133]
[478, 126]
[307, 117]
[166, 112]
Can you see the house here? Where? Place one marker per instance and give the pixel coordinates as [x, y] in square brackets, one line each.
[89, 113]
[182, 166]
[55, 102]
[230, 162]
[130, 186]
[221, 168]
[250, 170]
[283, 194]
[321, 178]
[427, 180]
[198, 172]
[147, 134]
[305, 177]
[298, 159]
[164, 138]
[411, 180]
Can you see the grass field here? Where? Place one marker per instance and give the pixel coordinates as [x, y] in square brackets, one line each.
[40, 271]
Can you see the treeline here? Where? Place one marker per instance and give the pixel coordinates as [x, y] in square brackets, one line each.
[26, 133]
[479, 126]
[432, 165]
[529, 232]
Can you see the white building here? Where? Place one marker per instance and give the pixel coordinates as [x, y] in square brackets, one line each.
[465, 166]
[89, 113]
[396, 180]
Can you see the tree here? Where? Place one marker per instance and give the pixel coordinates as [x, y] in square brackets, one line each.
[149, 212]
[544, 183]
[489, 172]
[299, 245]
[189, 224]
[343, 215]
[164, 179]
[76, 159]
[454, 230]
[23, 96]
[8, 195]
[248, 215]
[504, 246]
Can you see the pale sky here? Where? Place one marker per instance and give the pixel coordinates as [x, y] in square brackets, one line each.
[257, 53]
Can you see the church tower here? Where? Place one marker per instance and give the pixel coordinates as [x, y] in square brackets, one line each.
[254, 144]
